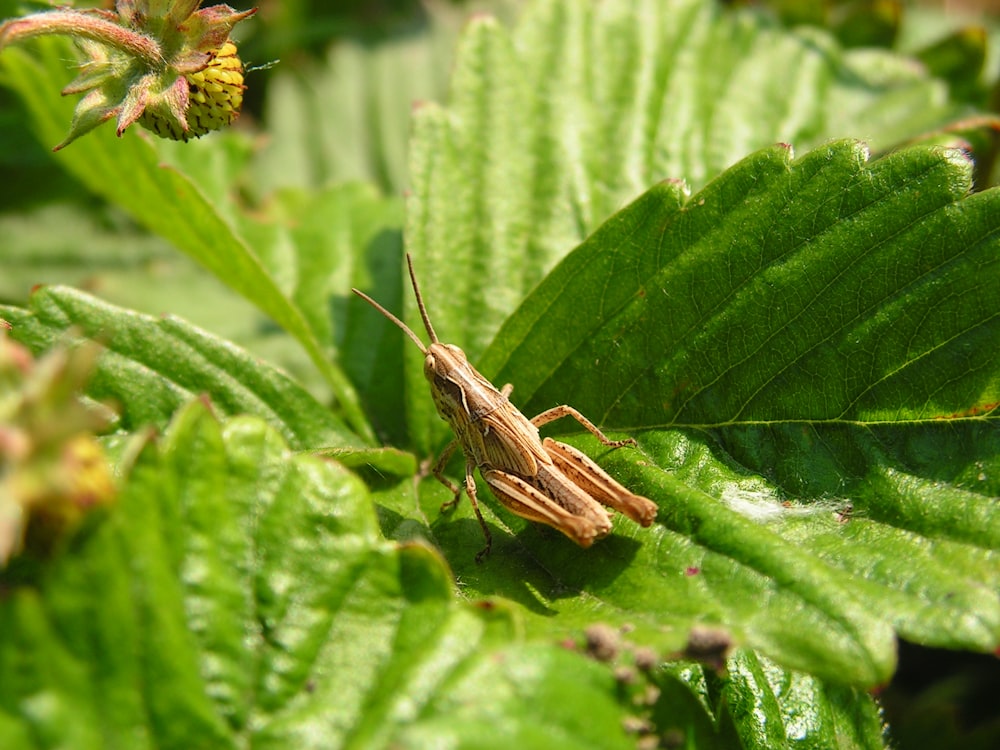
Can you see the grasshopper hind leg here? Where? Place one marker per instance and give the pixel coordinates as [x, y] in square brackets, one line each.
[558, 412]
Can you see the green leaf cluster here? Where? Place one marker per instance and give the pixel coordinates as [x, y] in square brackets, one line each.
[801, 338]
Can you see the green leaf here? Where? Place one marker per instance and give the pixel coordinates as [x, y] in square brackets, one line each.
[807, 516]
[757, 705]
[97, 249]
[348, 118]
[766, 707]
[867, 298]
[553, 127]
[129, 172]
[153, 366]
[803, 349]
[245, 598]
[813, 386]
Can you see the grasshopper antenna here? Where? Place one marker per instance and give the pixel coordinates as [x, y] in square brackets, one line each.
[405, 328]
[420, 305]
[420, 302]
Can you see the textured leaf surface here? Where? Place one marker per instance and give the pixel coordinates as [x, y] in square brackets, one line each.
[760, 706]
[824, 290]
[804, 349]
[806, 352]
[153, 366]
[554, 126]
[244, 598]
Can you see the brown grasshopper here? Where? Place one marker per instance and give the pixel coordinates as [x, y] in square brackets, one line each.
[539, 479]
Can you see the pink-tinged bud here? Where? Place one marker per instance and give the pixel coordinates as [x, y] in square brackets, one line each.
[165, 64]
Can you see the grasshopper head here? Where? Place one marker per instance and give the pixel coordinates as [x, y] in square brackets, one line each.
[442, 361]
[446, 368]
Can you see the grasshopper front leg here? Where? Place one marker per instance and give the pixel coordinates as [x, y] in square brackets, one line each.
[438, 472]
[470, 488]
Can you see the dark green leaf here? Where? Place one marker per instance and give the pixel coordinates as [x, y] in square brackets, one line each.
[827, 290]
[554, 126]
[805, 352]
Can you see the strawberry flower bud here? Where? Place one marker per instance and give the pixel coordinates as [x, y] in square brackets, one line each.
[166, 64]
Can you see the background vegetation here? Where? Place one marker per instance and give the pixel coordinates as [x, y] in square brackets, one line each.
[763, 244]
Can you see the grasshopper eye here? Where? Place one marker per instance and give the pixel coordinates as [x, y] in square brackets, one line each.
[431, 367]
